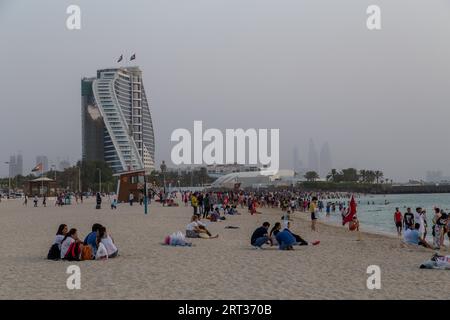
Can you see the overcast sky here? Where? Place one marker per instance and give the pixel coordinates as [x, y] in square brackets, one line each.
[310, 68]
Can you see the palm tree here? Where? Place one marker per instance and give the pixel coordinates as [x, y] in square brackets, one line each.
[363, 175]
[378, 175]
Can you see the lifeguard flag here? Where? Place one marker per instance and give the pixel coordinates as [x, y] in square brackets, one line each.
[133, 57]
[351, 212]
[37, 168]
[120, 58]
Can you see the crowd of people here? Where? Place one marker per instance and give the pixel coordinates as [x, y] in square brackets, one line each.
[98, 245]
[414, 226]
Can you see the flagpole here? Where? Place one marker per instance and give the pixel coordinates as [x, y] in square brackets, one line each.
[42, 179]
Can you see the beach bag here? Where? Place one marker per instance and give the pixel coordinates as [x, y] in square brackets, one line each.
[73, 253]
[54, 253]
[86, 253]
[167, 240]
[102, 253]
[177, 239]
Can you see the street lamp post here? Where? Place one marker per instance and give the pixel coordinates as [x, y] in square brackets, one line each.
[9, 181]
[79, 179]
[54, 171]
[163, 168]
[145, 195]
[100, 179]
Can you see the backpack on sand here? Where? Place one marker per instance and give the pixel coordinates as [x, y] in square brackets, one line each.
[54, 253]
[86, 253]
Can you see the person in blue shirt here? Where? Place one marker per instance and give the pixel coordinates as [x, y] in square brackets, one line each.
[412, 236]
[91, 238]
[286, 240]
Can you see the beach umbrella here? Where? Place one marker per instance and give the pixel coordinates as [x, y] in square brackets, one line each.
[351, 212]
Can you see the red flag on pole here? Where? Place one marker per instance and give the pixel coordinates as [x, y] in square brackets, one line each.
[351, 212]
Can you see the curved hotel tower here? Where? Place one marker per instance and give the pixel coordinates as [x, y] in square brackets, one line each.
[116, 121]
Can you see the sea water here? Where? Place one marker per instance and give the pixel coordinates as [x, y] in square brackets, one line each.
[379, 217]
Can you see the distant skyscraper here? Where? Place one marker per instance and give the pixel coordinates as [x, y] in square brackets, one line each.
[44, 161]
[19, 165]
[313, 158]
[116, 122]
[63, 165]
[325, 160]
[12, 166]
[295, 159]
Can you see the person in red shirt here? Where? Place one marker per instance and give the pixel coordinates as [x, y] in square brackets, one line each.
[398, 221]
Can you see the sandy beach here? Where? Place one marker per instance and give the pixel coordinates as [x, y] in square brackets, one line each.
[224, 268]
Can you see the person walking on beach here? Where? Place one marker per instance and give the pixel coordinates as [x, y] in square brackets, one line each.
[35, 200]
[312, 210]
[131, 198]
[398, 220]
[25, 201]
[194, 203]
[98, 200]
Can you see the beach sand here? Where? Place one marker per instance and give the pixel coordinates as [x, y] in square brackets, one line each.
[224, 268]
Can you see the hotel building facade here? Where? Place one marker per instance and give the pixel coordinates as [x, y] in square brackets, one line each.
[116, 121]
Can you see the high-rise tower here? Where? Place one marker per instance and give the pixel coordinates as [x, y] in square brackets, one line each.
[325, 160]
[313, 158]
[116, 122]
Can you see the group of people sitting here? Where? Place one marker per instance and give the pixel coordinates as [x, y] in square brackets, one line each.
[97, 245]
[197, 229]
[284, 238]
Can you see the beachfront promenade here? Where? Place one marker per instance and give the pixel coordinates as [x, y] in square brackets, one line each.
[223, 268]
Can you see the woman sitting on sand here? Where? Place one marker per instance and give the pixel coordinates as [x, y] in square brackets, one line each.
[108, 242]
[71, 246]
[273, 233]
[60, 235]
[197, 229]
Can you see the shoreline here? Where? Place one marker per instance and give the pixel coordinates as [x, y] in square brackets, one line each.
[223, 268]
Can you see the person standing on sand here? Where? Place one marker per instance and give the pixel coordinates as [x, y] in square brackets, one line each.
[408, 219]
[35, 200]
[25, 201]
[398, 220]
[44, 201]
[312, 210]
[131, 198]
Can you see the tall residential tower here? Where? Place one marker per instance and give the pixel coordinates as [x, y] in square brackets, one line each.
[116, 122]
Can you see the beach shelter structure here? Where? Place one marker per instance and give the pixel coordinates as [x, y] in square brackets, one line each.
[41, 186]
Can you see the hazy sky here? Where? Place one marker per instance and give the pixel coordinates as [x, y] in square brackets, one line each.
[310, 68]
